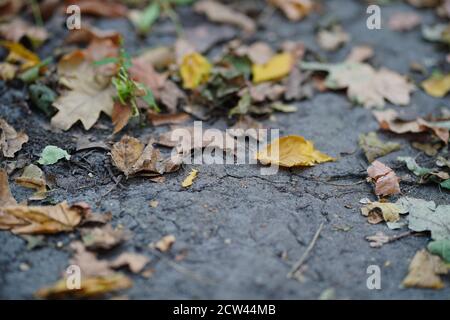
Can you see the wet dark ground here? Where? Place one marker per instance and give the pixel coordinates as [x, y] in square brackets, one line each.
[241, 231]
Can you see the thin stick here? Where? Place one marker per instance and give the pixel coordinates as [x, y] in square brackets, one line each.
[303, 258]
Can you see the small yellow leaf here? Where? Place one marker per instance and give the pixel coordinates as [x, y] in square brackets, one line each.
[292, 151]
[437, 86]
[190, 179]
[195, 70]
[276, 68]
[19, 54]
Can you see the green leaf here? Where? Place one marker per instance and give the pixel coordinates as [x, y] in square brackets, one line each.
[440, 248]
[52, 154]
[445, 184]
[374, 148]
[43, 97]
[412, 165]
[104, 61]
[32, 74]
[242, 106]
[426, 216]
[148, 18]
[281, 107]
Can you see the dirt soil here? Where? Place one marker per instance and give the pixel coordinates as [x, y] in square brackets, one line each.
[241, 231]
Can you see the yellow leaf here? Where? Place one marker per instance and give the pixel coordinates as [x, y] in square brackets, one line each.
[276, 68]
[292, 151]
[19, 54]
[195, 70]
[90, 287]
[190, 179]
[437, 86]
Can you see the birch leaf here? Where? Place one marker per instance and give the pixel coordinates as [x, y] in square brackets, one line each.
[195, 70]
[276, 68]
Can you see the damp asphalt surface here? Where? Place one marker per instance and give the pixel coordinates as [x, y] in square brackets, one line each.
[240, 231]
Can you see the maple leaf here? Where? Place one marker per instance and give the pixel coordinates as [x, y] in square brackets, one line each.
[90, 93]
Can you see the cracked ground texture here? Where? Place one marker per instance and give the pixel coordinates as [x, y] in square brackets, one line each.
[241, 231]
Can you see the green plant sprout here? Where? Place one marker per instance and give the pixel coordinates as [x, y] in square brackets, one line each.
[127, 89]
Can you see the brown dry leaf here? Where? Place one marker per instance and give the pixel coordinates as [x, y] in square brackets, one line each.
[10, 141]
[360, 54]
[120, 116]
[88, 33]
[424, 271]
[246, 126]
[91, 287]
[90, 94]
[218, 12]
[6, 198]
[143, 72]
[135, 262]
[264, 91]
[294, 9]
[131, 157]
[33, 177]
[389, 120]
[16, 29]
[103, 238]
[170, 95]
[258, 52]
[87, 261]
[165, 243]
[292, 151]
[377, 212]
[378, 240]
[385, 179]
[404, 21]
[159, 57]
[22, 219]
[333, 39]
[101, 8]
[158, 119]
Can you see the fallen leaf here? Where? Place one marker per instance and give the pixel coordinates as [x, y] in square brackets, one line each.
[365, 85]
[120, 116]
[52, 154]
[17, 29]
[195, 70]
[378, 240]
[389, 120]
[8, 71]
[295, 10]
[143, 72]
[88, 34]
[190, 179]
[33, 177]
[158, 119]
[166, 243]
[21, 55]
[426, 216]
[89, 287]
[385, 179]
[437, 86]
[374, 148]
[135, 262]
[332, 39]
[424, 271]
[360, 54]
[440, 248]
[6, 198]
[430, 149]
[22, 219]
[292, 151]
[404, 21]
[246, 126]
[101, 8]
[103, 238]
[258, 52]
[276, 68]
[218, 12]
[89, 94]
[131, 157]
[377, 212]
[10, 141]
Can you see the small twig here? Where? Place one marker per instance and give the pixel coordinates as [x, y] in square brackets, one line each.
[303, 258]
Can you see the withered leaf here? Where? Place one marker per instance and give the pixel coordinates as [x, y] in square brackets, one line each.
[10, 141]
[33, 177]
[22, 219]
[424, 271]
[374, 148]
[385, 179]
[6, 198]
[102, 237]
[134, 261]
